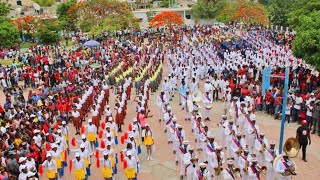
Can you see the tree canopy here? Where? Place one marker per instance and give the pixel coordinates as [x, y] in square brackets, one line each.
[98, 15]
[4, 9]
[45, 2]
[166, 19]
[206, 9]
[279, 11]
[306, 21]
[9, 34]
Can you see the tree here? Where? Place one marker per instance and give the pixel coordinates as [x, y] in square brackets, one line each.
[65, 21]
[94, 14]
[279, 11]
[206, 9]
[166, 19]
[4, 9]
[45, 3]
[243, 11]
[47, 31]
[9, 34]
[306, 21]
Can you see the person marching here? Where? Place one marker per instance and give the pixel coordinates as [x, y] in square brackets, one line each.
[147, 138]
[108, 113]
[51, 166]
[209, 148]
[303, 136]
[207, 100]
[253, 131]
[107, 167]
[85, 156]
[218, 161]
[202, 173]
[243, 162]
[80, 167]
[65, 132]
[270, 154]
[187, 108]
[205, 135]
[130, 166]
[283, 168]
[92, 132]
[254, 170]
[86, 143]
[228, 173]
[77, 122]
[237, 146]
[230, 132]
[160, 102]
[261, 144]
[190, 159]
[56, 156]
[222, 125]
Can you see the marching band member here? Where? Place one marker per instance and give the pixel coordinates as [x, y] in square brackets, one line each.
[241, 115]
[198, 131]
[188, 99]
[210, 147]
[253, 130]
[92, 131]
[51, 166]
[130, 166]
[270, 154]
[218, 161]
[148, 141]
[113, 128]
[261, 143]
[190, 159]
[179, 138]
[228, 173]
[253, 170]
[166, 88]
[226, 100]
[160, 102]
[243, 162]
[77, 122]
[230, 132]
[182, 91]
[222, 125]
[80, 168]
[204, 137]
[182, 151]
[85, 156]
[283, 167]
[237, 146]
[207, 100]
[169, 119]
[107, 167]
[202, 173]
[234, 108]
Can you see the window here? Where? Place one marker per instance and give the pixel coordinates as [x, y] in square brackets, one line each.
[19, 3]
[188, 16]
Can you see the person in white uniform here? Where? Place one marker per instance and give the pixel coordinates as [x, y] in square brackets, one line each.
[202, 173]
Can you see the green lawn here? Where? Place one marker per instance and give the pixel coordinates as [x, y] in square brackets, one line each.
[26, 45]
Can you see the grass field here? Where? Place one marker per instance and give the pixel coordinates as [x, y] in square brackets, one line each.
[5, 62]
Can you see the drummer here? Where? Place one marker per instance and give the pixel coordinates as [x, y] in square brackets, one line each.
[188, 103]
[207, 100]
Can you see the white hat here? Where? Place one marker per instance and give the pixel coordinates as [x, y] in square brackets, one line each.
[174, 119]
[262, 134]
[89, 120]
[219, 148]
[272, 143]
[48, 154]
[254, 160]
[108, 135]
[169, 108]
[109, 143]
[107, 126]
[135, 120]
[63, 123]
[107, 106]
[36, 131]
[178, 126]
[238, 133]
[82, 146]
[77, 154]
[229, 162]
[312, 94]
[59, 131]
[21, 159]
[105, 153]
[210, 136]
[202, 165]
[146, 125]
[185, 142]
[83, 136]
[199, 116]
[54, 145]
[190, 148]
[128, 153]
[110, 119]
[23, 167]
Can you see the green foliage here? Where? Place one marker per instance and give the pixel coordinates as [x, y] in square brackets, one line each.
[62, 9]
[4, 9]
[47, 32]
[9, 34]
[306, 21]
[45, 3]
[279, 11]
[226, 13]
[206, 9]
[164, 3]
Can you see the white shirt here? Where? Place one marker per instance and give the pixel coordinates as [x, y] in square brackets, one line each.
[91, 128]
[50, 165]
[298, 101]
[79, 164]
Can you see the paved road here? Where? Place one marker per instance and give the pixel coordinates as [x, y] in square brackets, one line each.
[163, 166]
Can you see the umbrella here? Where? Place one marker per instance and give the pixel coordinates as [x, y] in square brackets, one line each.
[95, 65]
[91, 43]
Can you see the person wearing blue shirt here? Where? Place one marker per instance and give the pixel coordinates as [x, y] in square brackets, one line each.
[182, 91]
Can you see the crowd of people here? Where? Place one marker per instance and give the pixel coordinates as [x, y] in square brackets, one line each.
[73, 88]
